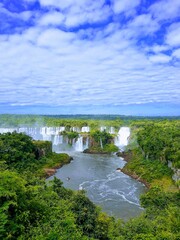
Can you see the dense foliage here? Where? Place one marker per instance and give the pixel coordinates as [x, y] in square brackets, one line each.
[31, 208]
[16, 149]
[161, 142]
[19, 152]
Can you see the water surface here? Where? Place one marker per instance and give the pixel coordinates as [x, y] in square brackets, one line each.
[116, 193]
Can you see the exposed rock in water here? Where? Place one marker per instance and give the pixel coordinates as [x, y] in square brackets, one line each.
[118, 169]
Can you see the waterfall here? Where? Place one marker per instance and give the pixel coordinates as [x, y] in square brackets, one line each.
[58, 139]
[78, 146]
[61, 129]
[46, 137]
[122, 138]
[74, 129]
[44, 131]
[5, 130]
[86, 144]
[111, 130]
[50, 131]
[101, 143]
[55, 141]
[85, 129]
[52, 134]
[102, 128]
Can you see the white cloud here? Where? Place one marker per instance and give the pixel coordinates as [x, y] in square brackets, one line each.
[75, 71]
[176, 53]
[160, 58]
[165, 10]
[120, 6]
[159, 48]
[25, 15]
[173, 35]
[51, 18]
[92, 65]
[144, 24]
[54, 38]
[31, 34]
[58, 3]
[76, 17]
[78, 12]
[61, 4]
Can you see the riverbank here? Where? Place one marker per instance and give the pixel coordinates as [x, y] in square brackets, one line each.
[128, 156]
[54, 162]
[136, 177]
[150, 173]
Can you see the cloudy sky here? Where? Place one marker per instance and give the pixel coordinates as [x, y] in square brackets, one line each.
[85, 56]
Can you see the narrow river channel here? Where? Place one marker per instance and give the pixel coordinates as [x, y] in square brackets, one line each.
[116, 193]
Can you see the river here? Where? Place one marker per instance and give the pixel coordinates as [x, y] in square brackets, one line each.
[116, 193]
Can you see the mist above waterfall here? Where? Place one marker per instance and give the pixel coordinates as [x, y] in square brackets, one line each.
[121, 140]
[79, 143]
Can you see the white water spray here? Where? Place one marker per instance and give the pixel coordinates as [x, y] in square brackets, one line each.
[58, 139]
[102, 128]
[111, 130]
[101, 143]
[85, 129]
[122, 138]
[78, 146]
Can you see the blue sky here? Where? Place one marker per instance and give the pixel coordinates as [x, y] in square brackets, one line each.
[82, 56]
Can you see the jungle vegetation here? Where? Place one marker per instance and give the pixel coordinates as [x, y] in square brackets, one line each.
[32, 208]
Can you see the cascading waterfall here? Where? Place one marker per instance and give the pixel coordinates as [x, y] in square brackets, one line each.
[87, 143]
[74, 129]
[55, 140]
[5, 130]
[102, 128]
[85, 129]
[78, 146]
[58, 139]
[111, 130]
[60, 129]
[45, 136]
[122, 138]
[101, 143]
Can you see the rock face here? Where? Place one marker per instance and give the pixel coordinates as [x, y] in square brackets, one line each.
[118, 169]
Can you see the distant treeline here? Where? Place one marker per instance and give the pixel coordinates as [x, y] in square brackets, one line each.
[91, 116]
[15, 120]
